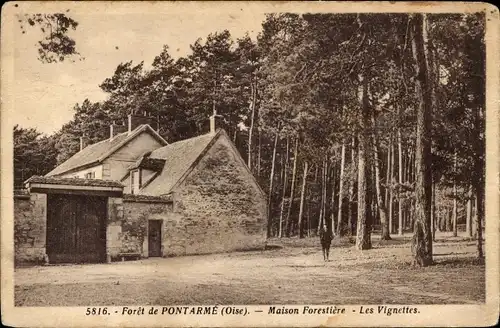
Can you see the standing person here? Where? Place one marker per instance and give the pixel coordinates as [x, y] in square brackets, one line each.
[325, 236]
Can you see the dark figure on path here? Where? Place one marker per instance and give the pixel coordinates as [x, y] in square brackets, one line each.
[325, 237]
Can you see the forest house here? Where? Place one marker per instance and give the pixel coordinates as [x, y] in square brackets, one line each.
[135, 194]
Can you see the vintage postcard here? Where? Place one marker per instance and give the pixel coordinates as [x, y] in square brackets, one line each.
[249, 164]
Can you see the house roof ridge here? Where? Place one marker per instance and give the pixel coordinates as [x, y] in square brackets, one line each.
[107, 150]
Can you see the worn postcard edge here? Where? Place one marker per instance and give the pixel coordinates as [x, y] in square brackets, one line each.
[430, 315]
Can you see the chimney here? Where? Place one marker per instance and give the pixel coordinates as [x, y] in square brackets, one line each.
[212, 124]
[115, 129]
[214, 118]
[135, 120]
[83, 142]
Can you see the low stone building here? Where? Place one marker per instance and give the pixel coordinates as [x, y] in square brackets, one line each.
[116, 198]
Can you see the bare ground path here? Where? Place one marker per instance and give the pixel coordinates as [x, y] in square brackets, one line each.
[288, 275]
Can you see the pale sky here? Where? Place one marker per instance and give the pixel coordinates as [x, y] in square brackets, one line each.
[44, 94]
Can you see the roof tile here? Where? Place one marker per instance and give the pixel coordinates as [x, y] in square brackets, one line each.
[178, 156]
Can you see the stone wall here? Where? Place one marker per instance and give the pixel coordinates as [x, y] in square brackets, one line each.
[222, 207]
[30, 225]
[126, 228]
[201, 220]
[114, 227]
[136, 213]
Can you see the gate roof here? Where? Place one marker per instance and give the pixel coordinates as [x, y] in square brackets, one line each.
[74, 186]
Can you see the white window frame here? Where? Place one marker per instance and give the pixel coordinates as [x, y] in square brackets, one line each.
[135, 186]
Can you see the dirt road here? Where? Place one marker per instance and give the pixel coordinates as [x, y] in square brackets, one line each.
[291, 275]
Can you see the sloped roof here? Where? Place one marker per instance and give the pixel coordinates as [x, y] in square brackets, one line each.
[88, 155]
[179, 157]
[99, 151]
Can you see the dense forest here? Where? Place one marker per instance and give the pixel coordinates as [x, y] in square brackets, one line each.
[360, 122]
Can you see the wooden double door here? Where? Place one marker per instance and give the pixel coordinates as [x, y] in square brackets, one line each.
[76, 228]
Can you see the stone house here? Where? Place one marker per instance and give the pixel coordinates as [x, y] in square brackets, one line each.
[135, 194]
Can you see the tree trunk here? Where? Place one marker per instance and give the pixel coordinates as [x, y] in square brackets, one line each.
[442, 220]
[400, 177]
[350, 212]
[474, 217]
[479, 133]
[352, 185]
[332, 203]
[323, 190]
[259, 154]
[391, 193]
[388, 172]
[454, 213]
[325, 179]
[283, 198]
[292, 189]
[321, 219]
[302, 195]
[433, 84]
[271, 178]
[320, 222]
[253, 90]
[363, 238]
[447, 220]
[380, 203]
[468, 221]
[407, 207]
[340, 223]
[308, 220]
[479, 219]
[479, 185]
[446, 224]
[433, 210]
[422, 236]
[455, 207]
[410, 164]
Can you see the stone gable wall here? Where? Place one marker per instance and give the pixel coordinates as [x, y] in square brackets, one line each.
[222, 208]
